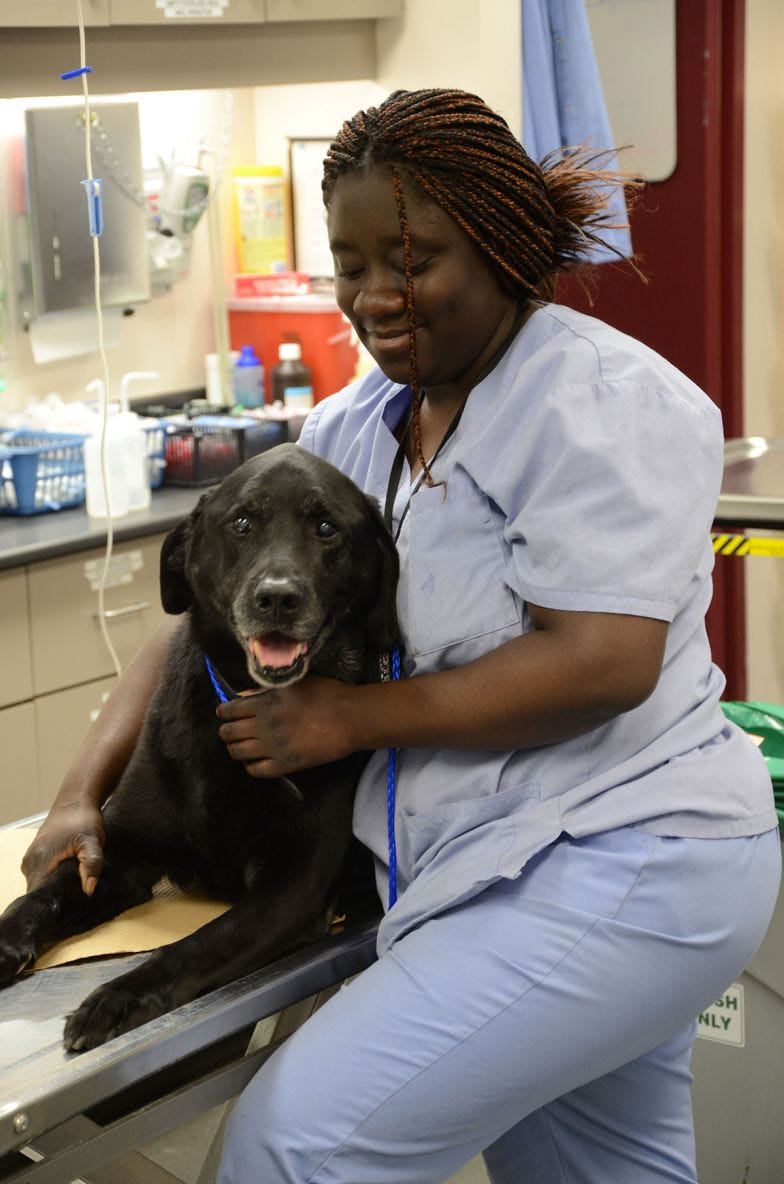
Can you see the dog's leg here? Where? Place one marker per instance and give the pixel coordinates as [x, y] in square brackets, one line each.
[254, 932]
[58, 908]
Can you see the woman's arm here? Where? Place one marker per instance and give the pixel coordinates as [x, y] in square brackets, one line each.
[74, 826]
[573, 672]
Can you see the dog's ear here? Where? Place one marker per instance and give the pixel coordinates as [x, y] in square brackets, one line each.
[176, 592]
[382, 623]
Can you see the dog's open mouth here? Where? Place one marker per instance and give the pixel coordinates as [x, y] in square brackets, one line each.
[278, 658]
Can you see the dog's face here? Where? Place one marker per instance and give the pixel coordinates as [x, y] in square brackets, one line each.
[293, 560]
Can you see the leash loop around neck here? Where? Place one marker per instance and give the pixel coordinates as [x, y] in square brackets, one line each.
[217, 684]
[390, 669]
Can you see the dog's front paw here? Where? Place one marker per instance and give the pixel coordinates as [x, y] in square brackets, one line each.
[15, 954]
[108, 1012]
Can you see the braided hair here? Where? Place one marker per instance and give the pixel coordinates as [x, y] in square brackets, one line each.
[531, 222]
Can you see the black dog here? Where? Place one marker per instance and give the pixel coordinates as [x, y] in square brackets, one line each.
[284, 568]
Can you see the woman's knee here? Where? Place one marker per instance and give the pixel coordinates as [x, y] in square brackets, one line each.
[266, 1137]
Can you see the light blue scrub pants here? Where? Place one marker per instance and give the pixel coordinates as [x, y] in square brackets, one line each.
[548, 1022]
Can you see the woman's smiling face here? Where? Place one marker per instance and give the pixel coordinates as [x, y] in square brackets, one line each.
[461, 313]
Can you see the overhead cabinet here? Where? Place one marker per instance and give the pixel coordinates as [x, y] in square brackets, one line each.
[331, 10]
[51, 14]
[187, 12]
[62, 13]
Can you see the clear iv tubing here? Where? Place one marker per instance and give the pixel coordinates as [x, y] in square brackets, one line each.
[104, 363]
[219, 315]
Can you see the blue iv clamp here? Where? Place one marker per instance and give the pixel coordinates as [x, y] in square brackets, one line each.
[94, 189]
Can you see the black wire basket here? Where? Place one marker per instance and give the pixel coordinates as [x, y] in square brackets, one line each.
[203, 454]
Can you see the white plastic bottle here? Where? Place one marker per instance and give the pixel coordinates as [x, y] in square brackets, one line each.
[127, 469]
[137, 470]
[116, 474]
[129, 426]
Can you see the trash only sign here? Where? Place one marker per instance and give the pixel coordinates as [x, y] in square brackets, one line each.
[724, 1020]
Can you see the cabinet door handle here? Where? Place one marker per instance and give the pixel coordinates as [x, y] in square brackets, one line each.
[111, 614]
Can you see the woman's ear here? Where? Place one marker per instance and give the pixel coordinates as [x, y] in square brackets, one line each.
[176, 592]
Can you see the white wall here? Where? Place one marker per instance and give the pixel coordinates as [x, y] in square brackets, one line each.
[763, 378]
[307, 111]
[475, 45]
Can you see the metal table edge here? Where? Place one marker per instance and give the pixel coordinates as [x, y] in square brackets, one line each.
[84, 1079]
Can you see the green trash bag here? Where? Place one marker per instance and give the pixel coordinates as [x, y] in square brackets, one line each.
[765, 720]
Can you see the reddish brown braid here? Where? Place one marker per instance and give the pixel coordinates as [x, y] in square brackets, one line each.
[531, 222]
[416, 393]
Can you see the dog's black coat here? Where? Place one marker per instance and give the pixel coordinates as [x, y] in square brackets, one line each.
[285, 546]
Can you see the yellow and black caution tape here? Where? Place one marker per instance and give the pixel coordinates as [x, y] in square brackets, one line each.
[741, 544]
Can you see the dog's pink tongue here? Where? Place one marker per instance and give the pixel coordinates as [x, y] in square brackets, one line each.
[276, 651]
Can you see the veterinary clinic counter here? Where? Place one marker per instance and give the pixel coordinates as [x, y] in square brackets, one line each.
[56, 669]
[26, 540]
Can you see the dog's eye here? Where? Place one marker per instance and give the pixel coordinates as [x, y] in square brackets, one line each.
[326, 529]
[241, 525]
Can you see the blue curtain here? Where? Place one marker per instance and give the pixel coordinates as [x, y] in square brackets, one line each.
[563, 101]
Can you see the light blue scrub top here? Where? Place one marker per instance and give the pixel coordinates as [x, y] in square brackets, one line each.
[584, 475]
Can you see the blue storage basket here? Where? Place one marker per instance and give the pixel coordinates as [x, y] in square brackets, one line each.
[40, 471]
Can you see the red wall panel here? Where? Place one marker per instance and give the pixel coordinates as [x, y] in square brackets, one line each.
[687, 231]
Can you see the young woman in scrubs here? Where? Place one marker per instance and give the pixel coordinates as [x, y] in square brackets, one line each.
[587, 852]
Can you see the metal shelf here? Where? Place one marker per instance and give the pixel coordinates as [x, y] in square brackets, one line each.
[752, 492]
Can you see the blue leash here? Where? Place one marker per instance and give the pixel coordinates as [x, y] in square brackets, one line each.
[391, 780]
[394, 673]
[216, 685]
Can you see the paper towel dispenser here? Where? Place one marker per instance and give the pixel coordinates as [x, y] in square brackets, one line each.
[61, 248]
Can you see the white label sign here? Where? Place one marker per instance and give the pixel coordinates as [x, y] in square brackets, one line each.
[122, 569]
[191, 8]
[724, 1020]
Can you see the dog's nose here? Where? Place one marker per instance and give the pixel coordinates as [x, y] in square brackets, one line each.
[276, 593]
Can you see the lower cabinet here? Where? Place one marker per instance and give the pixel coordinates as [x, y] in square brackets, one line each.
[67, 646]
[62, 721]
[56, 670]
[21, 792]
[16, 680]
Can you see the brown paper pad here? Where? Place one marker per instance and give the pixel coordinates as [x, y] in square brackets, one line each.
[170, 915]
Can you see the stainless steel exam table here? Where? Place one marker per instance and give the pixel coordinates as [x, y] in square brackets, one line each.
[64, 1116]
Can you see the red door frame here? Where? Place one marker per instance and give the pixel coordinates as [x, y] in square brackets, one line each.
[688, 232]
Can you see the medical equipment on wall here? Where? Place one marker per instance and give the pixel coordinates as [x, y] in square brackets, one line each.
[150, 214]
[61, 254]
[174, 215]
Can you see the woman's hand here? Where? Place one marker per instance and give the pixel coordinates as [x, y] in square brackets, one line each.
[572, 673]
[72, 830]
[277, 732]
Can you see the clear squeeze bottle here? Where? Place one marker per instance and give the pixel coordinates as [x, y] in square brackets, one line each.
[248, 379]
[291, 380]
